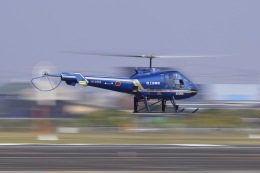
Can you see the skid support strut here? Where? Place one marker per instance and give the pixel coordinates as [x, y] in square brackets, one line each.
[135, 104]
[174, 104]
[146, 104]
[163, 105]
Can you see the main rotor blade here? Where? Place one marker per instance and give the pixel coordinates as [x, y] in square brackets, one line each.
[100, 54]
[190, 56]
[140, 56]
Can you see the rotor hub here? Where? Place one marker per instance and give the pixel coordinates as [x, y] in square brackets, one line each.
[45, 73]
[149, 56]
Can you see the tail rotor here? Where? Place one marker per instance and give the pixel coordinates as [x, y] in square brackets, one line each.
[45, 76]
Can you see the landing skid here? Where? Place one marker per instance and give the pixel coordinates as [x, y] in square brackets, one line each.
[183, 110]
[151, 107]
[195, 110]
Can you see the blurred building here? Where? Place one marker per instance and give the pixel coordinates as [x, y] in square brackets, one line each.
[22, 100]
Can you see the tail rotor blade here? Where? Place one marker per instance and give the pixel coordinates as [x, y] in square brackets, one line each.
[50, 82]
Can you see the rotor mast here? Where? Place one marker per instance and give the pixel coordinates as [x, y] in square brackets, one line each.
[150, 56]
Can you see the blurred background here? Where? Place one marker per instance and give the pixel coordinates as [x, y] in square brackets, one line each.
[33, 31]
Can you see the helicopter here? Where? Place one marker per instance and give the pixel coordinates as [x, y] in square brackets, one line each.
[145, 84]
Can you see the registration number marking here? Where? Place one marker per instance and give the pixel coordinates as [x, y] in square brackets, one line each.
[95, 81]
[179, 93]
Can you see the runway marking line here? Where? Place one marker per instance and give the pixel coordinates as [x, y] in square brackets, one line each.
[135, 153]
[123, 171]
[129, 157]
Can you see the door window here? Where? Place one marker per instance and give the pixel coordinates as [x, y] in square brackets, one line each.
[176, 80]
[164, 81]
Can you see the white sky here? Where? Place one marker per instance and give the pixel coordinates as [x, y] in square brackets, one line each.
[31, 31]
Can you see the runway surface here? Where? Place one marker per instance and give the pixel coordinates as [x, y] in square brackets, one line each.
[151, 158]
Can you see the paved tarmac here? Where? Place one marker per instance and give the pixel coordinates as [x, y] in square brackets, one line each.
[120, 158]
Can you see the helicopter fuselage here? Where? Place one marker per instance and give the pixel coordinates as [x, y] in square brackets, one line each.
[150, 82]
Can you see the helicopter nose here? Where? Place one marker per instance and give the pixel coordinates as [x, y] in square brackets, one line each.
[193, 92]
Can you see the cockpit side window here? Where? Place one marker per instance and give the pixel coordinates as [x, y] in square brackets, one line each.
[176, 80]
[187, 82]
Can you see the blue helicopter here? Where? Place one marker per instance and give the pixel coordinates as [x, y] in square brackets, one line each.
[145, 84]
